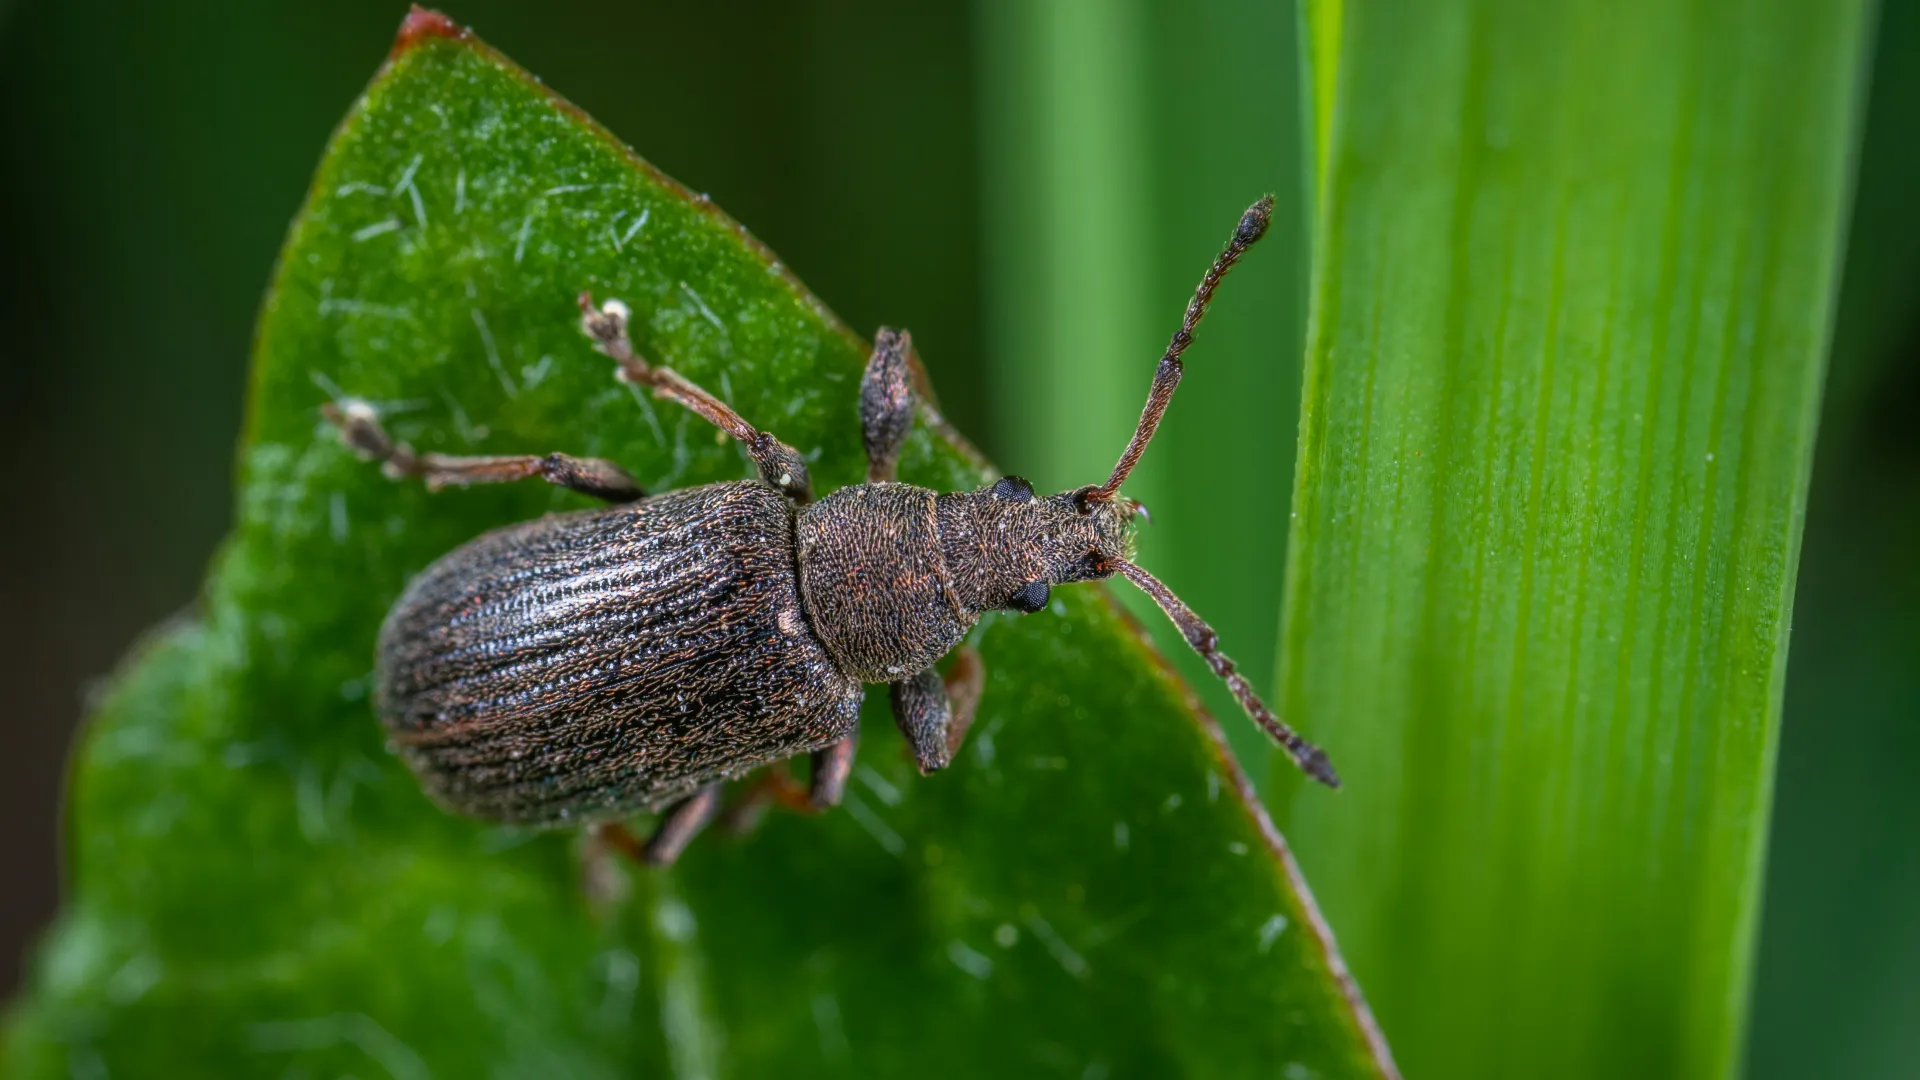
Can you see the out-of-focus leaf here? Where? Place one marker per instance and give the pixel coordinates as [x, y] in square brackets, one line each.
[258, 888]
[1574, 275]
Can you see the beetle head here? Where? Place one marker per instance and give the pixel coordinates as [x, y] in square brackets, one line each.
[1086, 534]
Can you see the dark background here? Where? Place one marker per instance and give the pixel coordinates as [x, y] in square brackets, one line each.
[154, 156]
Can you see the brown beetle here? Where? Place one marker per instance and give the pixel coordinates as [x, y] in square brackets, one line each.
[588, 665]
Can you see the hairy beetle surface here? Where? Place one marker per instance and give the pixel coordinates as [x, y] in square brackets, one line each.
[585, 666]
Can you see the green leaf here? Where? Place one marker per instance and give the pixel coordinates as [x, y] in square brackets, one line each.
[1575, 268]
[258, 887]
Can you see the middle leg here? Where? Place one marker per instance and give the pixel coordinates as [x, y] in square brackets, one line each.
[359, 427]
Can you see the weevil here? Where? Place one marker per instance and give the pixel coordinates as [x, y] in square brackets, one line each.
[586, 666]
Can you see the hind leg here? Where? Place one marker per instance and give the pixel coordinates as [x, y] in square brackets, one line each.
[677, 828]
[775, 786]
[679, 825]
[685, 820]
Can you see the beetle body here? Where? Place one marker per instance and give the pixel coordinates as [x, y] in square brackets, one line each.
[591, 664]
[585, 666]
[588, 665]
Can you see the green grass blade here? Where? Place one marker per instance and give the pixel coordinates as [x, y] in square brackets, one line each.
[1574, 270]
[1320, 33]
[260, 888]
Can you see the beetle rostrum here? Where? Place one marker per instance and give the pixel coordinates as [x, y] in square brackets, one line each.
[586, 666]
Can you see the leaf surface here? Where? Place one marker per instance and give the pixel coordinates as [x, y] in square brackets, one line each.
[259, 888]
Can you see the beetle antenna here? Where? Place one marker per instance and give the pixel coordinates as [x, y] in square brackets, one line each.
[1311, 759]
[1253, 225]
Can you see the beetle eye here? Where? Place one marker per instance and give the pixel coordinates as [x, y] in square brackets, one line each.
[1030, 597]
[1012, 489]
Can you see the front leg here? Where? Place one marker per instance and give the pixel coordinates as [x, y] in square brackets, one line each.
[780, 465]
[934, 713]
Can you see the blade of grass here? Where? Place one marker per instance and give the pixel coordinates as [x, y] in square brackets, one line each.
[1320, 77]
[1574, 269]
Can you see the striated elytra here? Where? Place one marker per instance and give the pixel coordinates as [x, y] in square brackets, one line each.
[585, 666]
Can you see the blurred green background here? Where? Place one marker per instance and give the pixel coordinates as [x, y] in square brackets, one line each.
[1032, 188]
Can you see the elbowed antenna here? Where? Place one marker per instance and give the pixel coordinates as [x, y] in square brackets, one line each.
[1253, 225]
[1311, 759]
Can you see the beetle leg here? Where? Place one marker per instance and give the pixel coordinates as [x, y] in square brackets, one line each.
[781, 466]
[886, 403]
[615, 836]
[934, 713]
[680, 824]
[831, 767]
[774, 786]
[604, 844]
[360, 427]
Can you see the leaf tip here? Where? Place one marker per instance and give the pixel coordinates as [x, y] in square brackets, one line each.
[422, 25]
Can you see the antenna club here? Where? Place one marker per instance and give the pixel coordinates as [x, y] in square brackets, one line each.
[1314, 762]
[1253, 223]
